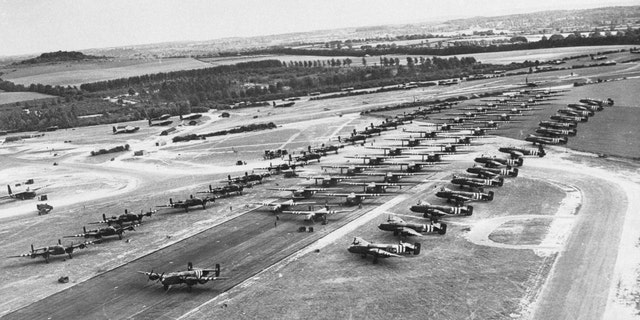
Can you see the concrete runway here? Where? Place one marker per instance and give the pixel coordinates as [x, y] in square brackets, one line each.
[243, 246]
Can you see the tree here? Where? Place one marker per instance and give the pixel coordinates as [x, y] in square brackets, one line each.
[518, 39]
[556, 37]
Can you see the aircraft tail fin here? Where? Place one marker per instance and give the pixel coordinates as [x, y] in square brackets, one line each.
[189, 266]
[9, 189]
[416, 248]
[541, 152]
[490, 196]
[114, 129]
[443, 229]
[469, 210]
[217, 272]
[501, 181]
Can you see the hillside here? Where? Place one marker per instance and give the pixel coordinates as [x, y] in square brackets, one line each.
[60, 56]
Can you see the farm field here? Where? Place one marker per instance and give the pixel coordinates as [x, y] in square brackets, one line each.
[13, 97]
[75, 74]
[539, 54]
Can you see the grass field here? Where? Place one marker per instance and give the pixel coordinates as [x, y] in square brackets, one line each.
[12, 97]
[73, 74]
[540, 54]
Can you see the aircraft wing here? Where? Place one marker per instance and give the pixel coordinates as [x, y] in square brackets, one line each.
[372, 174]
[149, 273]
[82, 235]
[335, 194]
[437, 212]
[473, 184]
[460, 198]
[409, 231]
[358, 183]
[84, 244]
[271, 203]
[488, 174]
[211, 278]
[27, 255]
[301, 212]
[381, 253]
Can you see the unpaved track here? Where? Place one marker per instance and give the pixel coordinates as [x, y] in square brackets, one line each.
[579, 285]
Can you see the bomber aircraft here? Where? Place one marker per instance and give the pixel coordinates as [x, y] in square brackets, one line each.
[609, 102]
[558, 125]
[576, 113]
[585, 107]
[403, 228]
[389, 177]
[460, 197]
[353, 198]
[545, 140]
[190, 202]
[125, 218]
[103, 232]
[518, 152]
[329, 181]
[485, 172]
[570, 119]
[125, 129]
[302, 192]
[375, 187]
[248, 179]
[375, 160]
[437, 211]
[57, 249]
[352, 170]
[22, 195]
[477, 183]
[551, 132]
[328, 148]
[190, 277]
[225, 190]
[279, 206]
[379, 250]
[311, 215]
[494, 162]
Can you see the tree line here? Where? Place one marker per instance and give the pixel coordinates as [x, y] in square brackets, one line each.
[630, 36]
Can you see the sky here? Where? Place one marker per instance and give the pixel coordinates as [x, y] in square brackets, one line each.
[36, 26]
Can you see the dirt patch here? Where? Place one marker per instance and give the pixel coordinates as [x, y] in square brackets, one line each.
[522, 232]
